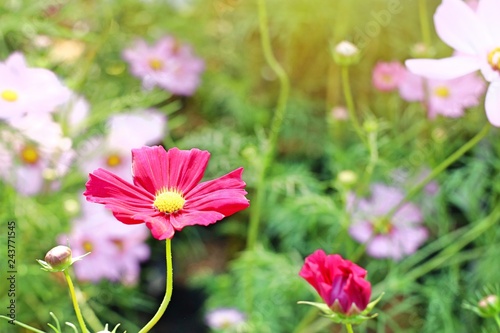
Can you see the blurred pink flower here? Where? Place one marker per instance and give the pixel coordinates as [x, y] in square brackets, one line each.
[25, 90]
[113, 151]
[474, 35]
[35, 155]
[224, 318]
[73, 115]
[167, 64]
[449, 98]
[116, 249]
[386, 76]
[166, 192]
[340, 113]
[394, 238]
[472, 4]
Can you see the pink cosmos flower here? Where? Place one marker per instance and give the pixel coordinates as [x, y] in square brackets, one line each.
[339, 282]
[166, 193]
[35, 154]
[386, 76]
[166, 64]
[396, 237]
[25, 90]
[449, 98]
[113, 151]
[474, 35]
[224, 318]
[115, 250]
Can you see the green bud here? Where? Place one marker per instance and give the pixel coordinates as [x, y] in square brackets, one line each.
[370, 126]
[347, 178]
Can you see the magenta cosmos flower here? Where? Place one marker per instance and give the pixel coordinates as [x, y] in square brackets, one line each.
[166, 193]
[339, 282]
[474, 35]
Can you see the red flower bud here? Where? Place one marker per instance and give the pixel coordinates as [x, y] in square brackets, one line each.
[340, 283]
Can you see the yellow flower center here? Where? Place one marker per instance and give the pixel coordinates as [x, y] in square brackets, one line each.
[169, 201]
[155, 64]
[87, 246]
[113, 160]
[29, 155]
[442, 92]
[9, 95]
[494, 59]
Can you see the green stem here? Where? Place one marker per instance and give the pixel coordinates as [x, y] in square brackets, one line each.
[424, 23]
[168, 289]
[349, 100]
[275, 125]
[497, 320]
[18, 323]
[75, 302]
[349, 328]
[441, 167]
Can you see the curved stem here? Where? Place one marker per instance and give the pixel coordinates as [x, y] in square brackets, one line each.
[75, 302]
[275, 125]
[441, 167]
[349, 101]
[168, 289]
[349, 328]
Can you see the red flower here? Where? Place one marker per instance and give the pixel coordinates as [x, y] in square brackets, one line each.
[340, 283]
[166, 193]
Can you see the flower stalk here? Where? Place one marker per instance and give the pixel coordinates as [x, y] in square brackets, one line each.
[168, 289]
[72, 293]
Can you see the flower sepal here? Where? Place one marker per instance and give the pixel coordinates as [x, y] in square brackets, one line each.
[58, 259]
[106, 329]
[354, 317]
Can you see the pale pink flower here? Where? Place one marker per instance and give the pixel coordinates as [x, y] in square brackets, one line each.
[386, 76]
[224, 318]
[167, 64]
[396, 237]
[126, 132]
[472, 4]
[339, 113]
[115, 250]
[73, 115]
[35, 155]
[449, 98]
[25, 90]
[474, 35]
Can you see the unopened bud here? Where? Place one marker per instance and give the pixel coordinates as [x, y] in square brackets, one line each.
[345, 54]
[347, 178]
[58, 259]
[489, 306]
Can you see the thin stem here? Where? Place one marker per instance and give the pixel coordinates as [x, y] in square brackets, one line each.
[75, 302]
[441, 167]
[424, 23]
[275, 124]
[168, 289]
[497, 320]
[18, 323]
[306, 320]
[349, 328]
[349, 101]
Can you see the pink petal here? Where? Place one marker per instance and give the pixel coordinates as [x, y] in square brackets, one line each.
[160, 228]
[125, 200]
[224, 195]
[488, 11]
[195, 217]
[444, 69]
[156, 169]
[492, 103]
[458, 26]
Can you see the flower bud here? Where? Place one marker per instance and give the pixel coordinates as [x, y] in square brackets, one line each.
[489, 306]
[347, 178]
[346, 54]
[59, 257]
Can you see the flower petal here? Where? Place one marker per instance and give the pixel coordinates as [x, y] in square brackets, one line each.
[443, 69]
[225, 195]
[488, 11]
[125, 200]
[492, 103]
[156, 169]
[160, 227]
[459, 27]
[195, 217]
